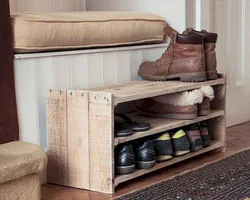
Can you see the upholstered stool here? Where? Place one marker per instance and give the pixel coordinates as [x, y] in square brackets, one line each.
[20, 165]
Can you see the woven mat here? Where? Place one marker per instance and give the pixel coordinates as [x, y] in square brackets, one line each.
[227, 179]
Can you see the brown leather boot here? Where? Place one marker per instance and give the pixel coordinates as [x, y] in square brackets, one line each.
[194, 137]
[183, 59]
[210, 40]
[205, 134]
[152, 108]
[204, 107]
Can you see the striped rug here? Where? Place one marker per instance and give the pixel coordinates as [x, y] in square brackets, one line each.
[227, 179]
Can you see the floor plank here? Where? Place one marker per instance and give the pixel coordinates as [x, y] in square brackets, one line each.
[238, 138]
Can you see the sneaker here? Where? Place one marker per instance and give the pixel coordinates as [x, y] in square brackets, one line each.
[163, 148]
[144, 154]
[180, 143]
[205, 134]
[124, 159]
[183, 59]
[194, 136]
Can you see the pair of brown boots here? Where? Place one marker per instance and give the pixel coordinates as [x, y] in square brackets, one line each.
[190, 57]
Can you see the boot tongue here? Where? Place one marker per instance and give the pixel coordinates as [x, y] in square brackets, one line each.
[170, 31]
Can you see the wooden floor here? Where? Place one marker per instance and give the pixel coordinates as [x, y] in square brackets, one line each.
[238, 138]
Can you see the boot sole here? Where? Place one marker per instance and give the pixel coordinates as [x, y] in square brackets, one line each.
[145, 164]
[184, 77]
[206, 144]
[125, 170]
[172, 116]
[163, 158]
[198, 148]
[203, 112]
[181, 153]
[212, 74]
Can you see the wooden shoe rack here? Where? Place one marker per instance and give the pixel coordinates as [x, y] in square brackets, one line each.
[81, 138]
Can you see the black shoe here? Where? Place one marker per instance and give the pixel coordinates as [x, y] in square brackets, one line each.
[194, 136]
[124, 159]
[122, 129]
[144, 154]
[205, 134]
[180, 143]
[125, 126]
[163, 148]
[136, 126]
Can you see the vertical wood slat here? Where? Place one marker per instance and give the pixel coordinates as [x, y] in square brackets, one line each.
[101, 138]
[78, 138]
[57, 137]
[217, 126]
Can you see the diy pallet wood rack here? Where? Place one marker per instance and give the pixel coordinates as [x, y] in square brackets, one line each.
[81, 138]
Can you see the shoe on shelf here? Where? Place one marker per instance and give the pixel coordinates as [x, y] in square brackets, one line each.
[180, 143]
[205, 134]
[210, 40]
[183, 59]
[181, 105]
[124, 159]
[144, 154]
[122, 129]
[194, 136]
[124, 126]
[136, 126]
[204, 106]
[163, 148]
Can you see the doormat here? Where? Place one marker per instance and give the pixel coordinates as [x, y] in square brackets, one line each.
[227, 179]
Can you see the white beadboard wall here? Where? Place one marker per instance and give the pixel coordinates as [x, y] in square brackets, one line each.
[35, 73]
[47, 5]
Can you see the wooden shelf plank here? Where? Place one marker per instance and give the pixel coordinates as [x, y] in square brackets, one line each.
[135, 90]
[160, 124]
[122, 178]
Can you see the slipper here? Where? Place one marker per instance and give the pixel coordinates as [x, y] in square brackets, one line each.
[136, 126]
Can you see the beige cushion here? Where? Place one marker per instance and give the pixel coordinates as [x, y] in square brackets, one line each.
[25, 188]
[19, 159]
[57, 31]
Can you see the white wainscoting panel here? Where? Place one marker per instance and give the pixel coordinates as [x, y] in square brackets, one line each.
[79, 71]
[36, 73]
[44, 80]
[27, 100]
[47, 5]
[109, 68]
[123, 73]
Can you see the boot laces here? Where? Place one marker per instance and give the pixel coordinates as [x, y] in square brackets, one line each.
[169, 46]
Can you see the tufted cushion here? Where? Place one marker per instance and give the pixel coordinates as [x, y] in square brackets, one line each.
[63, 31]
